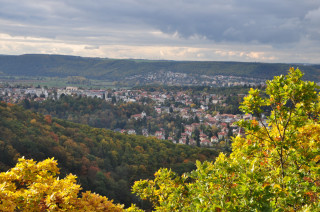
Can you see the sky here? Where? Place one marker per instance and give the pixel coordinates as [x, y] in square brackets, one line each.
[285, 31]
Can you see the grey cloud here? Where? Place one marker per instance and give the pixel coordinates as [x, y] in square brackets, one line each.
[313, 20]
[264, 21]
[280, 24]
[230, 22]
[91, 47]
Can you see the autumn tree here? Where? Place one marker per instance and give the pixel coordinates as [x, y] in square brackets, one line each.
[274, 167]
[31, 186]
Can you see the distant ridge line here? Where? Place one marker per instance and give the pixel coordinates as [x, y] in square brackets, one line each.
[55, 65]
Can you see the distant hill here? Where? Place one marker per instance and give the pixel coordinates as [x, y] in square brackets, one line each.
[115, 69]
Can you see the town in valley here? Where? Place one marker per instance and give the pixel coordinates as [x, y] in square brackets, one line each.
[201, 118]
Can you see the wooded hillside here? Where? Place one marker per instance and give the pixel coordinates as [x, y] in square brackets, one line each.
[115, 69]
[105, 162]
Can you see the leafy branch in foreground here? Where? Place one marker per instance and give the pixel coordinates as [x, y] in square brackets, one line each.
[31, 186]
[275, 167]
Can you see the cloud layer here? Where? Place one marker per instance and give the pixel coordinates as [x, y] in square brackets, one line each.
[246, 30]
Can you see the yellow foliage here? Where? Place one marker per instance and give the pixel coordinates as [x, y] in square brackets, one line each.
[31, 186]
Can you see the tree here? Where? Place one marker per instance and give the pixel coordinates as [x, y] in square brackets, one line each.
[275, 167]
[26, 103]
[187, 140]
[31, 186]
[196, 136]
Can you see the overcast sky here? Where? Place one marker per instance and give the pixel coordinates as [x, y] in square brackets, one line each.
[215, 30]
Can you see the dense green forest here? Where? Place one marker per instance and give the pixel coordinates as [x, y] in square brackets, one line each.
[115, 69]
[91, 111]
[105, 162]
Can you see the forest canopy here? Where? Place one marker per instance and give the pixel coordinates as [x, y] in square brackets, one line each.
[105, 162]
[31, 186]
